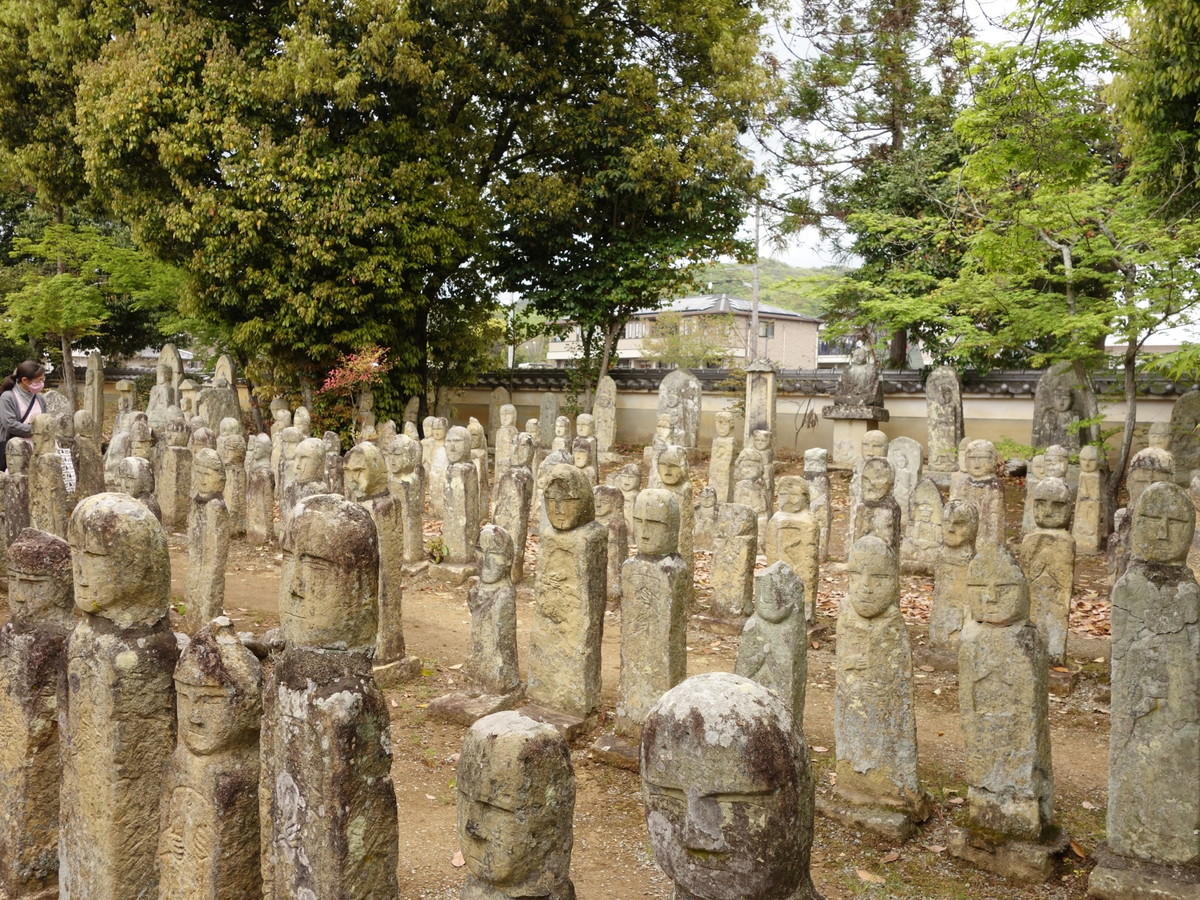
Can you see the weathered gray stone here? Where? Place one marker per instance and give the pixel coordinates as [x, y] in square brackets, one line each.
[905, 456]
[569, 596]
[502, 441]
[516, 803]
[1090, 528]
[1060, 401]
[705, 524]
[563, 434]
[874, 444]
[33, 667]
[604, 409]
[654, 611]
[208, 532]
[659, 443]
[307, 479]
[220, 401]
[1035, 473]
[173, 480]
[93, 391]
[629, 480]
[497, 400]
[877, 512]
[135, 478]
[943, 394]
[119, 705]
[1149, 466]
[583, 457]
[960, 528]
[610, 512]
[794, 537]
[761, 377]
[285, 461]
[774, 648]
[680, 398]
[721, 457]
[406, 478]
[436, 464]
[479, 458]
[89, 468]
[875, 728]
[514, 501]
[816, 473]
[208, 845]
[547, 416]
[168, 374]
[260, 491]
[674, 474]
[1185, 435]
[1048, 560]
[734, 552]
[460, 501]
[959, 478]
[986, 491]
[47, 490]
[728, 792]
[750, 486]
[326, 743]
[15, 481]
[922, 543]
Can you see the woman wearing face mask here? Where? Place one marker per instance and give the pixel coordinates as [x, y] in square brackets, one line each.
[19, 401]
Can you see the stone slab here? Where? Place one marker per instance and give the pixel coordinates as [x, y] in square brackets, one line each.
[716, 625]
[940, 660]
[570, 727]
[1018, 860]
[895, 826]
[453, 574]
[614, 750]
[397, 672]
[1121, 878]
[1062, 684]
[463, 709]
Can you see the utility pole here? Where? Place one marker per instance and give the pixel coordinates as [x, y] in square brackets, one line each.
[754, 296]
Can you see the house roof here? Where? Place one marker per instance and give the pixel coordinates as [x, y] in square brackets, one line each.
[723, 303]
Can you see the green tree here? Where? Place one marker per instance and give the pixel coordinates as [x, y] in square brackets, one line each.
[691, 342]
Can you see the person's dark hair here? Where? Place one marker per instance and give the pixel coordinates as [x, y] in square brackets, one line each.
[30, 369]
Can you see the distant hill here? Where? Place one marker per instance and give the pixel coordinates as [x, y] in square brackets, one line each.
[791, 287]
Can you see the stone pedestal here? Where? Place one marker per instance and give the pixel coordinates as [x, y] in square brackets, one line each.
[849, 429]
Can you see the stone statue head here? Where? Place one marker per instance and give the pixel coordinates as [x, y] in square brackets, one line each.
[141, 439]
[662, 427]
[874, 577]
[232, 448]
[1037, 466]
[40, 590]
[878, 479]
[1053, 504]
[727, 790]
[816, 460]
[707, 497]
[458, 444]
[874, 443]
[522, 449]
[762, 439]
[283, 418]
[585, 425]
[258, 451]
[1062, 399]
[427, 426]
[673, 466]
[218, 686]
[581, 453]
[568, 498]
[1164, 522]
[508, 414]
[229, 425]
[1148, 466]
[17, 452]
[440, 426]
[562, 427]
[997, 592]
[332, 442]
[302, 421]
[610, 503]
[981, 460]
[310, 460]
[289, 442]
[656, 522]
[208, 473]
[120, 560]
[749, 467]
[135, 476]
[962, 453]
[793, 494]
[533, 428]
[202, 436]
[84, 422]
[858, 356]
[516, 802]
[328, 588]
[960, 523]
[724, 423]
[776, 597]
[476, 434]
[365, 472]
[496, 549]
[1160, 435]
[631, 477]
[1057, 460]
[1089, 458]
[734, 519]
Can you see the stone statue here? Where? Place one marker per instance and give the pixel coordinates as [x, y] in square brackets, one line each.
[208, 542]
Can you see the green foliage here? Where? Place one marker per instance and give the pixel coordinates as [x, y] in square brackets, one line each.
[692, 342]
[779, 284]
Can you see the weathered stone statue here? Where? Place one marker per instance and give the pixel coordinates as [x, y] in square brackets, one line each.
[960, 527]
[514, 501]
[680, 398]
[285, 469]
[793, 537]
[675, 475]
[208, 845]
[1091, 503]
[774, 648]
[874, 444]
[173, 481]
[878, 513]
[136, 478]
[761, 378]
[90, 463]
[922, 543]
[208, 542]
[1048, 560]
[584, 459]
[650, 453]
[986, 491]
[516, 803]
[1153, 761]
[1060, 402]
[728, 792]
[366, 479]
[119, 707]
[220, 401]
[506, 433]
[16, 487]
[959, 478]
[33, 668]
[479, 458]
[47, 490]
[943, 393]
[562, 434]
[585, 430]
[436, 464]
[231, 447]
[406, 481]
[905, 456]
[605, 411]
[705, 525]
[308, 478]
[498, 398]
[629, 480]
[1033, 476]
[875, 727]
[260, 491]
[857, 406]
[1148, 466]
[721, 457]
[735, 548]
[1002, 676]
[93, 391]
[326, 739]
[569, 597]
[335, 464]
[460, 504]
[610, 512]
[1185, 435]
[547, 416]
[750, 486]
[816, 473]
[653, 611]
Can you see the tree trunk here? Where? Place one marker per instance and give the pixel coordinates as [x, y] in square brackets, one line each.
[68, 370]
[306, 392]
[422, 329]
[605, 357]
[897, 355]
[1118, 472]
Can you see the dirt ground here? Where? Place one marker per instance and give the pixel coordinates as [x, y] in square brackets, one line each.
[611, 857]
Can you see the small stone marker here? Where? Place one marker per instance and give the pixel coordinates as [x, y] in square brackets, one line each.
[721, 458]
[960, 528]
[943, 393]
[793, 537]
[208, 542]
[1048, 560]
[774, 648]
[514, 501]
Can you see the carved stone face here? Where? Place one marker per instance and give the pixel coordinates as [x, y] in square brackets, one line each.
[671, 468]
[134, 479]
[562, 427]
[793, 494]
[748, 468]
[508, 414]
[568, 499]
[874, 579]
[874, 443]
[708, 498]
[532, 427]
[40, 591]
[720, 827]
[208, 474]
[761, 440]
[1056, 462]
[724, 424]
[997, 591]
[662, 428]
[656, 523]
[458, 444]
[1052, 504]
[1163, 524]
[773, 606]
[878, 478]
[585, 425]
[522, 454]
[816, 461]
[981, 460]
[631, 479]
[1089, 459]
[208, 719]
[1062, 400]
[960, 524]
[439, 429]
[310, 460]
[581, 458]
[496, 547]
[364, 473]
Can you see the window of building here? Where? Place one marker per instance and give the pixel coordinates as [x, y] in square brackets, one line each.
[635, 329]
[766, 329]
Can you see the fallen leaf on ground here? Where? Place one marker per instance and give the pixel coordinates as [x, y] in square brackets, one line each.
[458, 862]
[1087, 804]
[870, 877]
[891, 857]
[820, 749]
[1077, 850]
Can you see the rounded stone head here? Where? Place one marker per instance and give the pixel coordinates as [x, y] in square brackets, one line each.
[232, 448]
[1149, 466]
[762, 439]
[707, 497]
[458, 444]
[40, 590]
[1037, 466]
[562, 427]
[874, 443]
[724, 423]
[475, 432]
[981, 460]
[962, 453]
[440, 425]
[120, 560]
[1160, 435]
[516, 802]
[289, 441]
[218, 687]
[141, 439]
[662, 427]
[365, 472]
[581, 453]
[749, 467]
[1053, 504]
[1056, 461]
[727, 790]
[229, 425]
[310, 460]
[328, 587]
[568, 498]
[136, 476]
[283, 418]
[793, 494]
[208, 473]
[533, 428]
[1089, 458]
[997, 591]
[1062, 399]
[656, 522]
[17, 452]
[585, 425]
[776, 598]
[874, 577]
[673, 466]
[1164, 522]
[816, 460]
[878, 479]
[960, 523]
[496, 547]
[84, 422]
[522, 449]
[610, 502]
[631, 477]
[508, 414]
